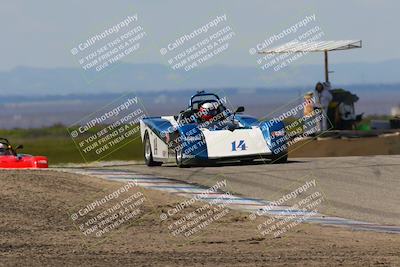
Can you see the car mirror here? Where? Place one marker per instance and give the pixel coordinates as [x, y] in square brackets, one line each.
[239, 109]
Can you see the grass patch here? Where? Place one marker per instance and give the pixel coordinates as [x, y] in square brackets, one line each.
[55, 143]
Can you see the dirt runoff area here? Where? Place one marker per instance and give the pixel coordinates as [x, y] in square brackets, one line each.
[47, 219]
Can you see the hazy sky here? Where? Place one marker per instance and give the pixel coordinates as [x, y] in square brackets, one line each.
[42, 33]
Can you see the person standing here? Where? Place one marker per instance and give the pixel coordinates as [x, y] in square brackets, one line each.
[323, 97]
[308, 117]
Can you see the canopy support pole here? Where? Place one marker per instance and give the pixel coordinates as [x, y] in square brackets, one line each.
[326, 66]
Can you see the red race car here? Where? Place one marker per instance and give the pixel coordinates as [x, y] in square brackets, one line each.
[10, 159]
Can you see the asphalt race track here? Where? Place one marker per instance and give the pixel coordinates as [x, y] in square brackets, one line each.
[359, 188]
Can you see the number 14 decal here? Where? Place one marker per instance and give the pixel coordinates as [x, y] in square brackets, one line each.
[238, 146]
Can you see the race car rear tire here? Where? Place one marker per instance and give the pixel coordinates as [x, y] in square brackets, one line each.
[148, 155]
[279, 158]
[180, 162]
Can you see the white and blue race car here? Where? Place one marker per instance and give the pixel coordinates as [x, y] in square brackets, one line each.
[194, 137]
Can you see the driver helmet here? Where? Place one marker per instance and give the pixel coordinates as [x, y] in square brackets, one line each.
[2, 149]
[208, 111]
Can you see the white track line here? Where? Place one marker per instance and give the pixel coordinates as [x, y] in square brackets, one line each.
[235, 202]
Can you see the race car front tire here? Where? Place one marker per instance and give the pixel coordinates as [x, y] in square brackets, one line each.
[148, 155]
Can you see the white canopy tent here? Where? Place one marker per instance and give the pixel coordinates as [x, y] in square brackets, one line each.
[322, 46]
